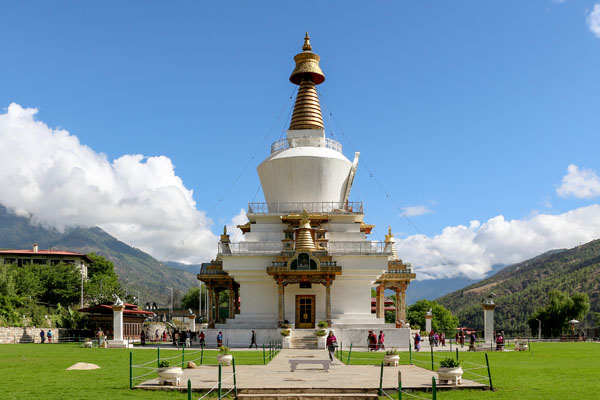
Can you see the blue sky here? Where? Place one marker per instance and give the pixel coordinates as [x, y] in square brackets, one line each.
[469, 110]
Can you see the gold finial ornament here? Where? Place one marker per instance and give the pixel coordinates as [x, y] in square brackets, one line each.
[225, 236]
[307, 46]
[305, 240]
[390, 244]
[307, 74]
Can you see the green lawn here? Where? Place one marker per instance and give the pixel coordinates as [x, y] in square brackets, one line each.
[548, 371]
[35, 371]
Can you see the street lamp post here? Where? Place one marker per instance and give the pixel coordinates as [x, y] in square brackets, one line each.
[81, 302]
[539, 329]
[171, 305]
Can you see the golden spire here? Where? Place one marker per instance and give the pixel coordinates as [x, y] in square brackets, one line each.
[304, 240]
[307, 74]
[390, 244]
[225, 236]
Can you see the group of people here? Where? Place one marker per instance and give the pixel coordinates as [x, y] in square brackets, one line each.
[435, 339]
[375, 342]
[158, 337]
[184, 338]
[44, 335]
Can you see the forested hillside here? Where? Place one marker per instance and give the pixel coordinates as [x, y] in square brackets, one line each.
[145, 273]
[522, 288]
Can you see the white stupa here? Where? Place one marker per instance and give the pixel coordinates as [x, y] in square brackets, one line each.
[306, 256]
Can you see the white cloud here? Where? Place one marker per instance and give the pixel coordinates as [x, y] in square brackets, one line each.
[413, 211]
[593, 20]
[236, 235]
[581, 183]
[473, 250]
[48, 174]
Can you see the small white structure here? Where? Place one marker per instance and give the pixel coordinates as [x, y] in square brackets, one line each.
[428, 318]
[488, 319]
[117, 341]
[192, 322]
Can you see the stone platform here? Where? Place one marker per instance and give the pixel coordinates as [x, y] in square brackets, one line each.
[274, 380]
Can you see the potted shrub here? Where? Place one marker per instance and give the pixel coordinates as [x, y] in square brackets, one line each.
[168, 374]
[450, 370]
[322, 324]
[285, 332]
[321, 332]
[224, 358]
[391, 357]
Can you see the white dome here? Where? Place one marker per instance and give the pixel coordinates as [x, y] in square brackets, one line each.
[305, 174]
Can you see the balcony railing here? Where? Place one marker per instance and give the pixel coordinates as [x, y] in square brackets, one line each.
[274, 248]
[358, 248]
[327, 207]
[306, 142]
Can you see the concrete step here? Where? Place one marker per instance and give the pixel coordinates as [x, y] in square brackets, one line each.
[307, 396]
[307, 393]
[302, 333]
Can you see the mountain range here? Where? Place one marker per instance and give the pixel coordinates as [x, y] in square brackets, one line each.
[137, 270]
[522, 288]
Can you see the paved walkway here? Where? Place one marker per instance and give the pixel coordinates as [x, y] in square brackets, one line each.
[277, 375]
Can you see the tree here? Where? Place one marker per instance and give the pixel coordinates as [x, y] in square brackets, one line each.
[101, 288]
[103, 281]
[100, 266]
[442, 321]
[62, 283]
[559, 310]
[190, 299]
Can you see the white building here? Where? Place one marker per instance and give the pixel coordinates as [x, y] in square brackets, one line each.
[306, 256]
[52, 257]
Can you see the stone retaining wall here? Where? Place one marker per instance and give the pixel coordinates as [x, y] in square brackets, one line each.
[24, 335]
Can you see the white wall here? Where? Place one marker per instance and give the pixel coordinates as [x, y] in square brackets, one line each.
[290, 301]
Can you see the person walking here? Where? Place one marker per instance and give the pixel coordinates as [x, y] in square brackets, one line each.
[253, 340]
[331, 343]
[472, 340]
[380, 341]
[417, 341]
[500, 342]
[201, 337]
[176, 339]
[188, 339]
[220, 339]
[42, 336]
[49, 335]
[462, 339]
[372, 341]
[143, 338]
[443, 339]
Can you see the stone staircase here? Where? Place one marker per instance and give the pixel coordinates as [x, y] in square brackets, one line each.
[306, 394]
[303, 339]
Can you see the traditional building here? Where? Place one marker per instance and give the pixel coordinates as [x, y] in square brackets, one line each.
[101, 316]
[305, 255]
[52, 257]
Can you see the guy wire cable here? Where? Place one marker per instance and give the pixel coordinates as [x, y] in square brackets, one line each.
[202, 223]
[372, 175]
